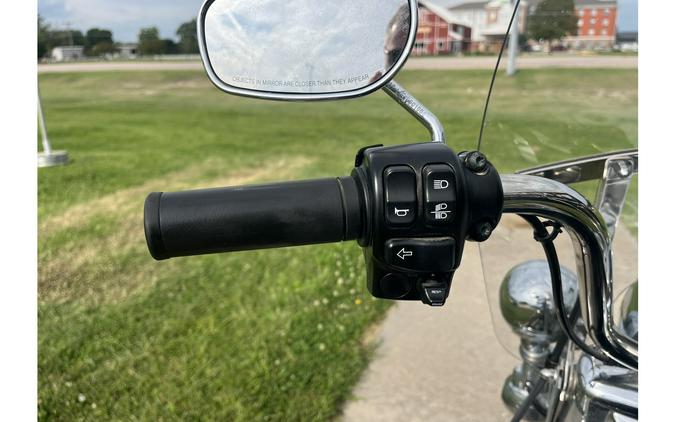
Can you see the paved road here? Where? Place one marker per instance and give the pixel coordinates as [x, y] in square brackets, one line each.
[446, 364]
[526, 62]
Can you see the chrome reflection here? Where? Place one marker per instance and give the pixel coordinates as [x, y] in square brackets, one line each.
[526, 299]
[629, 312]
[606, 392]
[301, 49]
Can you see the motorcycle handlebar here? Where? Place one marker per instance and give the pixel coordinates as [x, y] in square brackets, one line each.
[252, 217]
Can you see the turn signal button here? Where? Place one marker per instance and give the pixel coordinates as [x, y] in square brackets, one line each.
[433, 254]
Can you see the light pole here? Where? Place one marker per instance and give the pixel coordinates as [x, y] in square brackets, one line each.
[513, 42]
[48, 157]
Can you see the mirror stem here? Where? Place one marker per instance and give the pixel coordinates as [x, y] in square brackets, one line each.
[417, 109]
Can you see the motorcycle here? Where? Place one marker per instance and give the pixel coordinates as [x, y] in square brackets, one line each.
[412, 207]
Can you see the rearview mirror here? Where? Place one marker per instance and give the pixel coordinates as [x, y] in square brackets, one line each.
[304, 49]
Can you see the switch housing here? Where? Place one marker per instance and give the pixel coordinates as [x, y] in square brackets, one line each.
[419, 213]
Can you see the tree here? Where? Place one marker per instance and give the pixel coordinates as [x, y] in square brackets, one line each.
[187, 33]
[149, 42]
[169, 46]
[98, 41]
[64, 37]
[552, 20]
[49, 38]
[42, 37]
[102, 48]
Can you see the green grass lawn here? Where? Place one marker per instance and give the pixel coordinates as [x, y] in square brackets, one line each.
[262, 335]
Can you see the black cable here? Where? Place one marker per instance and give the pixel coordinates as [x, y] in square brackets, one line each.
[527, 403]
[543, 236]
[494, 75]
[546, 238]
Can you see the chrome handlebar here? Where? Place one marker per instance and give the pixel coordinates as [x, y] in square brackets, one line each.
[539, 196]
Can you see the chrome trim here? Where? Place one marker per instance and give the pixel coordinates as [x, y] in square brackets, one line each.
[562, 390]
[581, 169]
[386, 78]
[628, 314]
[532, 195]
[611, 195]
[614, 169]
[417, 109]
[606, 387]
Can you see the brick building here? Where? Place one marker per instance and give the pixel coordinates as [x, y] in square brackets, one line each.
[480, 25]
[596, 25]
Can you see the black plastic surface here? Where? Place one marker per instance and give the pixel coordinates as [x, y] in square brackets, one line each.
[400, 195]
[252, 217]
[440, 197]
[434, 254]
[434, 293]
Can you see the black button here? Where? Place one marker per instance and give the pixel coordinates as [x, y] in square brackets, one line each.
[400, 195]
[395, 286]
[440, 194]
[435, 254]
[435, 293]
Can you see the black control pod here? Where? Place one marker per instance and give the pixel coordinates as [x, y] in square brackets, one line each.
[421, 202]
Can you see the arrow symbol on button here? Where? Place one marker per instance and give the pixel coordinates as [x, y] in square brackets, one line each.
[403, 253]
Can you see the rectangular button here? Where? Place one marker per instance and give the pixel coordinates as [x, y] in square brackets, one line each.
[440, 195]
[433, 254]
[400, 195]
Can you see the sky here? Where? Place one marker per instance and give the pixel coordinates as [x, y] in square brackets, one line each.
[126, 17]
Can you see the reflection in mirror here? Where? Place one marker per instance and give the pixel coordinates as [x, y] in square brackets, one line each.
[304, 46]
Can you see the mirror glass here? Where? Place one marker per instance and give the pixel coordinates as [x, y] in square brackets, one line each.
[303, 46]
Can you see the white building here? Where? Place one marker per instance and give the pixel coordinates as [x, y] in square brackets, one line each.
[473, 15]
[67, 53]
[488, 20]
[127, 51]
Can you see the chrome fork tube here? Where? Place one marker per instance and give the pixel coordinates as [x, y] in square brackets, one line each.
[553, 200]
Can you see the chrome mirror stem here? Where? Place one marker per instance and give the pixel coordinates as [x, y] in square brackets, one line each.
[417, 109]
[532, 195]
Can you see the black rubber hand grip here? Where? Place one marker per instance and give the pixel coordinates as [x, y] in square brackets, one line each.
[252, 217]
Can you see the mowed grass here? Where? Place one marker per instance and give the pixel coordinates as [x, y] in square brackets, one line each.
[261, 335]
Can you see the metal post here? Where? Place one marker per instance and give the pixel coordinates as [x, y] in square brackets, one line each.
[43, 128]
[48, 157]
[513, 42]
